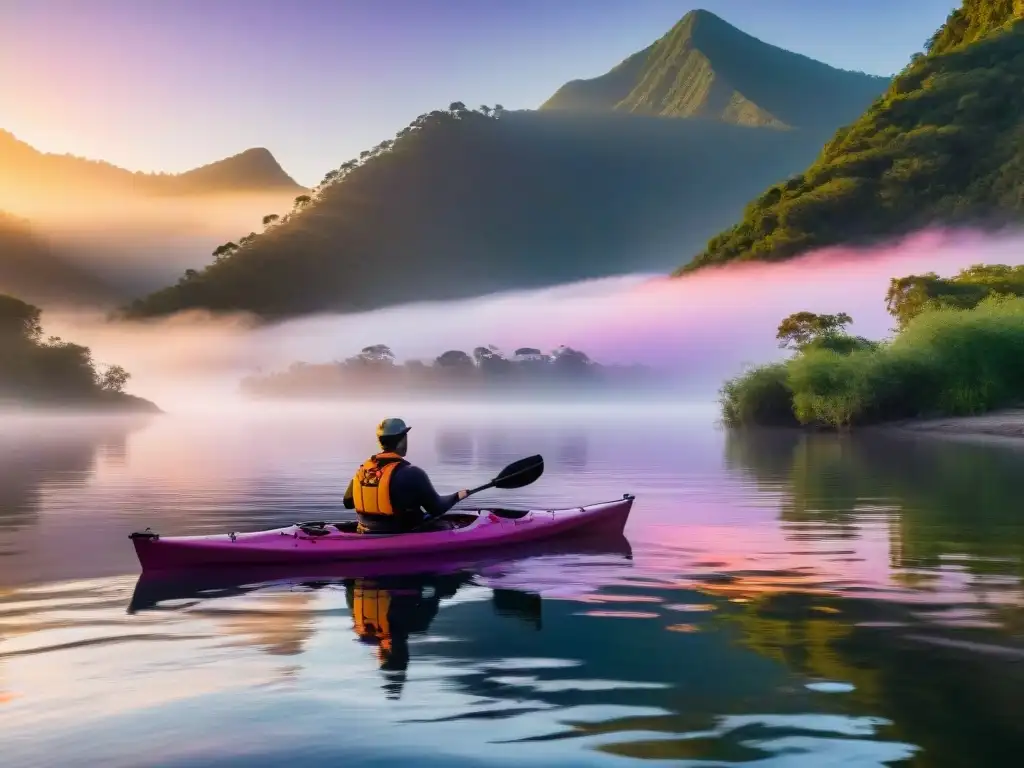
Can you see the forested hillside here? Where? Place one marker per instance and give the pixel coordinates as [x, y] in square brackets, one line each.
[944, 145]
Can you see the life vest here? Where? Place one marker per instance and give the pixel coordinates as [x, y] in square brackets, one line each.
[371, 487]
[370, 608]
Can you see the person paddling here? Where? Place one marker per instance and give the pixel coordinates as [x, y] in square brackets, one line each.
[389, 494]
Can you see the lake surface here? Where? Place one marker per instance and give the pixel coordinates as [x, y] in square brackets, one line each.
[783, 599]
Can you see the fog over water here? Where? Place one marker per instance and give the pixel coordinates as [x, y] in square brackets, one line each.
[699, 329]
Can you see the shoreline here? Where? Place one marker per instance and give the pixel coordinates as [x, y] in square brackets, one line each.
[1006, 425]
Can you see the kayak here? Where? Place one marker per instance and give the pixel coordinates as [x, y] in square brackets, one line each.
[321, 542]
[156, 586]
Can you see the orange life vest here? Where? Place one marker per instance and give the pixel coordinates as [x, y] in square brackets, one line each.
[370, 620]
[371, 487]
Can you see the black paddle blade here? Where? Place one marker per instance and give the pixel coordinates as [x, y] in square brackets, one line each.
[520, 473]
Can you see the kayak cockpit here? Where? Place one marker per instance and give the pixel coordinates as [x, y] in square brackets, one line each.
[448, 522]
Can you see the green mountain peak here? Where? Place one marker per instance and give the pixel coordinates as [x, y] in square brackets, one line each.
[705, 67]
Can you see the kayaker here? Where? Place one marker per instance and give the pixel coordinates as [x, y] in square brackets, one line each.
[389, 494]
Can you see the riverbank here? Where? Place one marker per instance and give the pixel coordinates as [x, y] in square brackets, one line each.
[1007, 423]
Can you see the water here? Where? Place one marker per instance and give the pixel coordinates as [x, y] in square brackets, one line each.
[783, 600]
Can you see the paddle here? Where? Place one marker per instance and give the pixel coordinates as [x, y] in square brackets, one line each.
[518, 474]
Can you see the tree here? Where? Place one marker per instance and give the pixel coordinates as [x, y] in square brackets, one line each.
[454, 358]
[377, 354]
[908, 296]
[457, 108]
[569, 360]
[114, 378]
[66, 368]
[20, 320]
[270, 218]
[302, 201]
[225, 250]
[801, 328]
[53, 370]
[489, 359]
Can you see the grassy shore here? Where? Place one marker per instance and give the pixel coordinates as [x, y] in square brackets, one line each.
[945, 362]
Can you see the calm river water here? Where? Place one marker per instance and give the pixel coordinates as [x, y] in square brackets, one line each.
[783, 600]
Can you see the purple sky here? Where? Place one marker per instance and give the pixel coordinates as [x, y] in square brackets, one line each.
[170, 85]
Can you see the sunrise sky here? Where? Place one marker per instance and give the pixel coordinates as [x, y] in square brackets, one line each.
[162, 85]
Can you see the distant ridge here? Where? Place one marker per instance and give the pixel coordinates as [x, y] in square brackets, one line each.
[254, 170]
[705, 67]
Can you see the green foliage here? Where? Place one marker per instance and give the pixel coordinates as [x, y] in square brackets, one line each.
[54, 371]
[803, 328]
[828, 388]
[760, 396]
[464, 202]
[908, 296]
[946, 361]
[705, 67]
[944, 144]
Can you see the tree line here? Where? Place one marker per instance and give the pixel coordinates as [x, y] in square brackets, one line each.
[376, 369]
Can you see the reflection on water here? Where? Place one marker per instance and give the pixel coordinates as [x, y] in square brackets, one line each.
[41, 453]
[785, 599]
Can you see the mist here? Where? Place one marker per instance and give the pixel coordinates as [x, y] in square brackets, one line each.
[136, 244]
[699, 329]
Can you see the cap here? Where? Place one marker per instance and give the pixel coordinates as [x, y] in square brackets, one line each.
[392, 428]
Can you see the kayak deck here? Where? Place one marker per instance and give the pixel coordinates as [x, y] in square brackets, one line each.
[325, 542]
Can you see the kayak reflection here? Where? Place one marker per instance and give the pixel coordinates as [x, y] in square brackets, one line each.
[391, 601]
[387, 611]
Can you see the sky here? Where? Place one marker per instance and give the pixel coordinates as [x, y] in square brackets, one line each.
[168, 85]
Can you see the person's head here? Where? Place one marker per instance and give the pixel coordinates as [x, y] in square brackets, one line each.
[392, 434]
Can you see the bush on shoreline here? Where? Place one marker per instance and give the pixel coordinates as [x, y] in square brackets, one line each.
[946, 361]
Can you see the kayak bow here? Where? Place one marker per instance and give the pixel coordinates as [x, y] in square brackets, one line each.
[322, 542]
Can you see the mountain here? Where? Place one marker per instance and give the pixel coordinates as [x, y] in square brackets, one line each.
[944, 145]
[253, 169]
[705, 67]
[31, 268]
[133, 231]
[25, 170]
[465, 202]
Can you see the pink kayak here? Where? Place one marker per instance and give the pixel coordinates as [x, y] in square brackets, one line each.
[322, 542]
